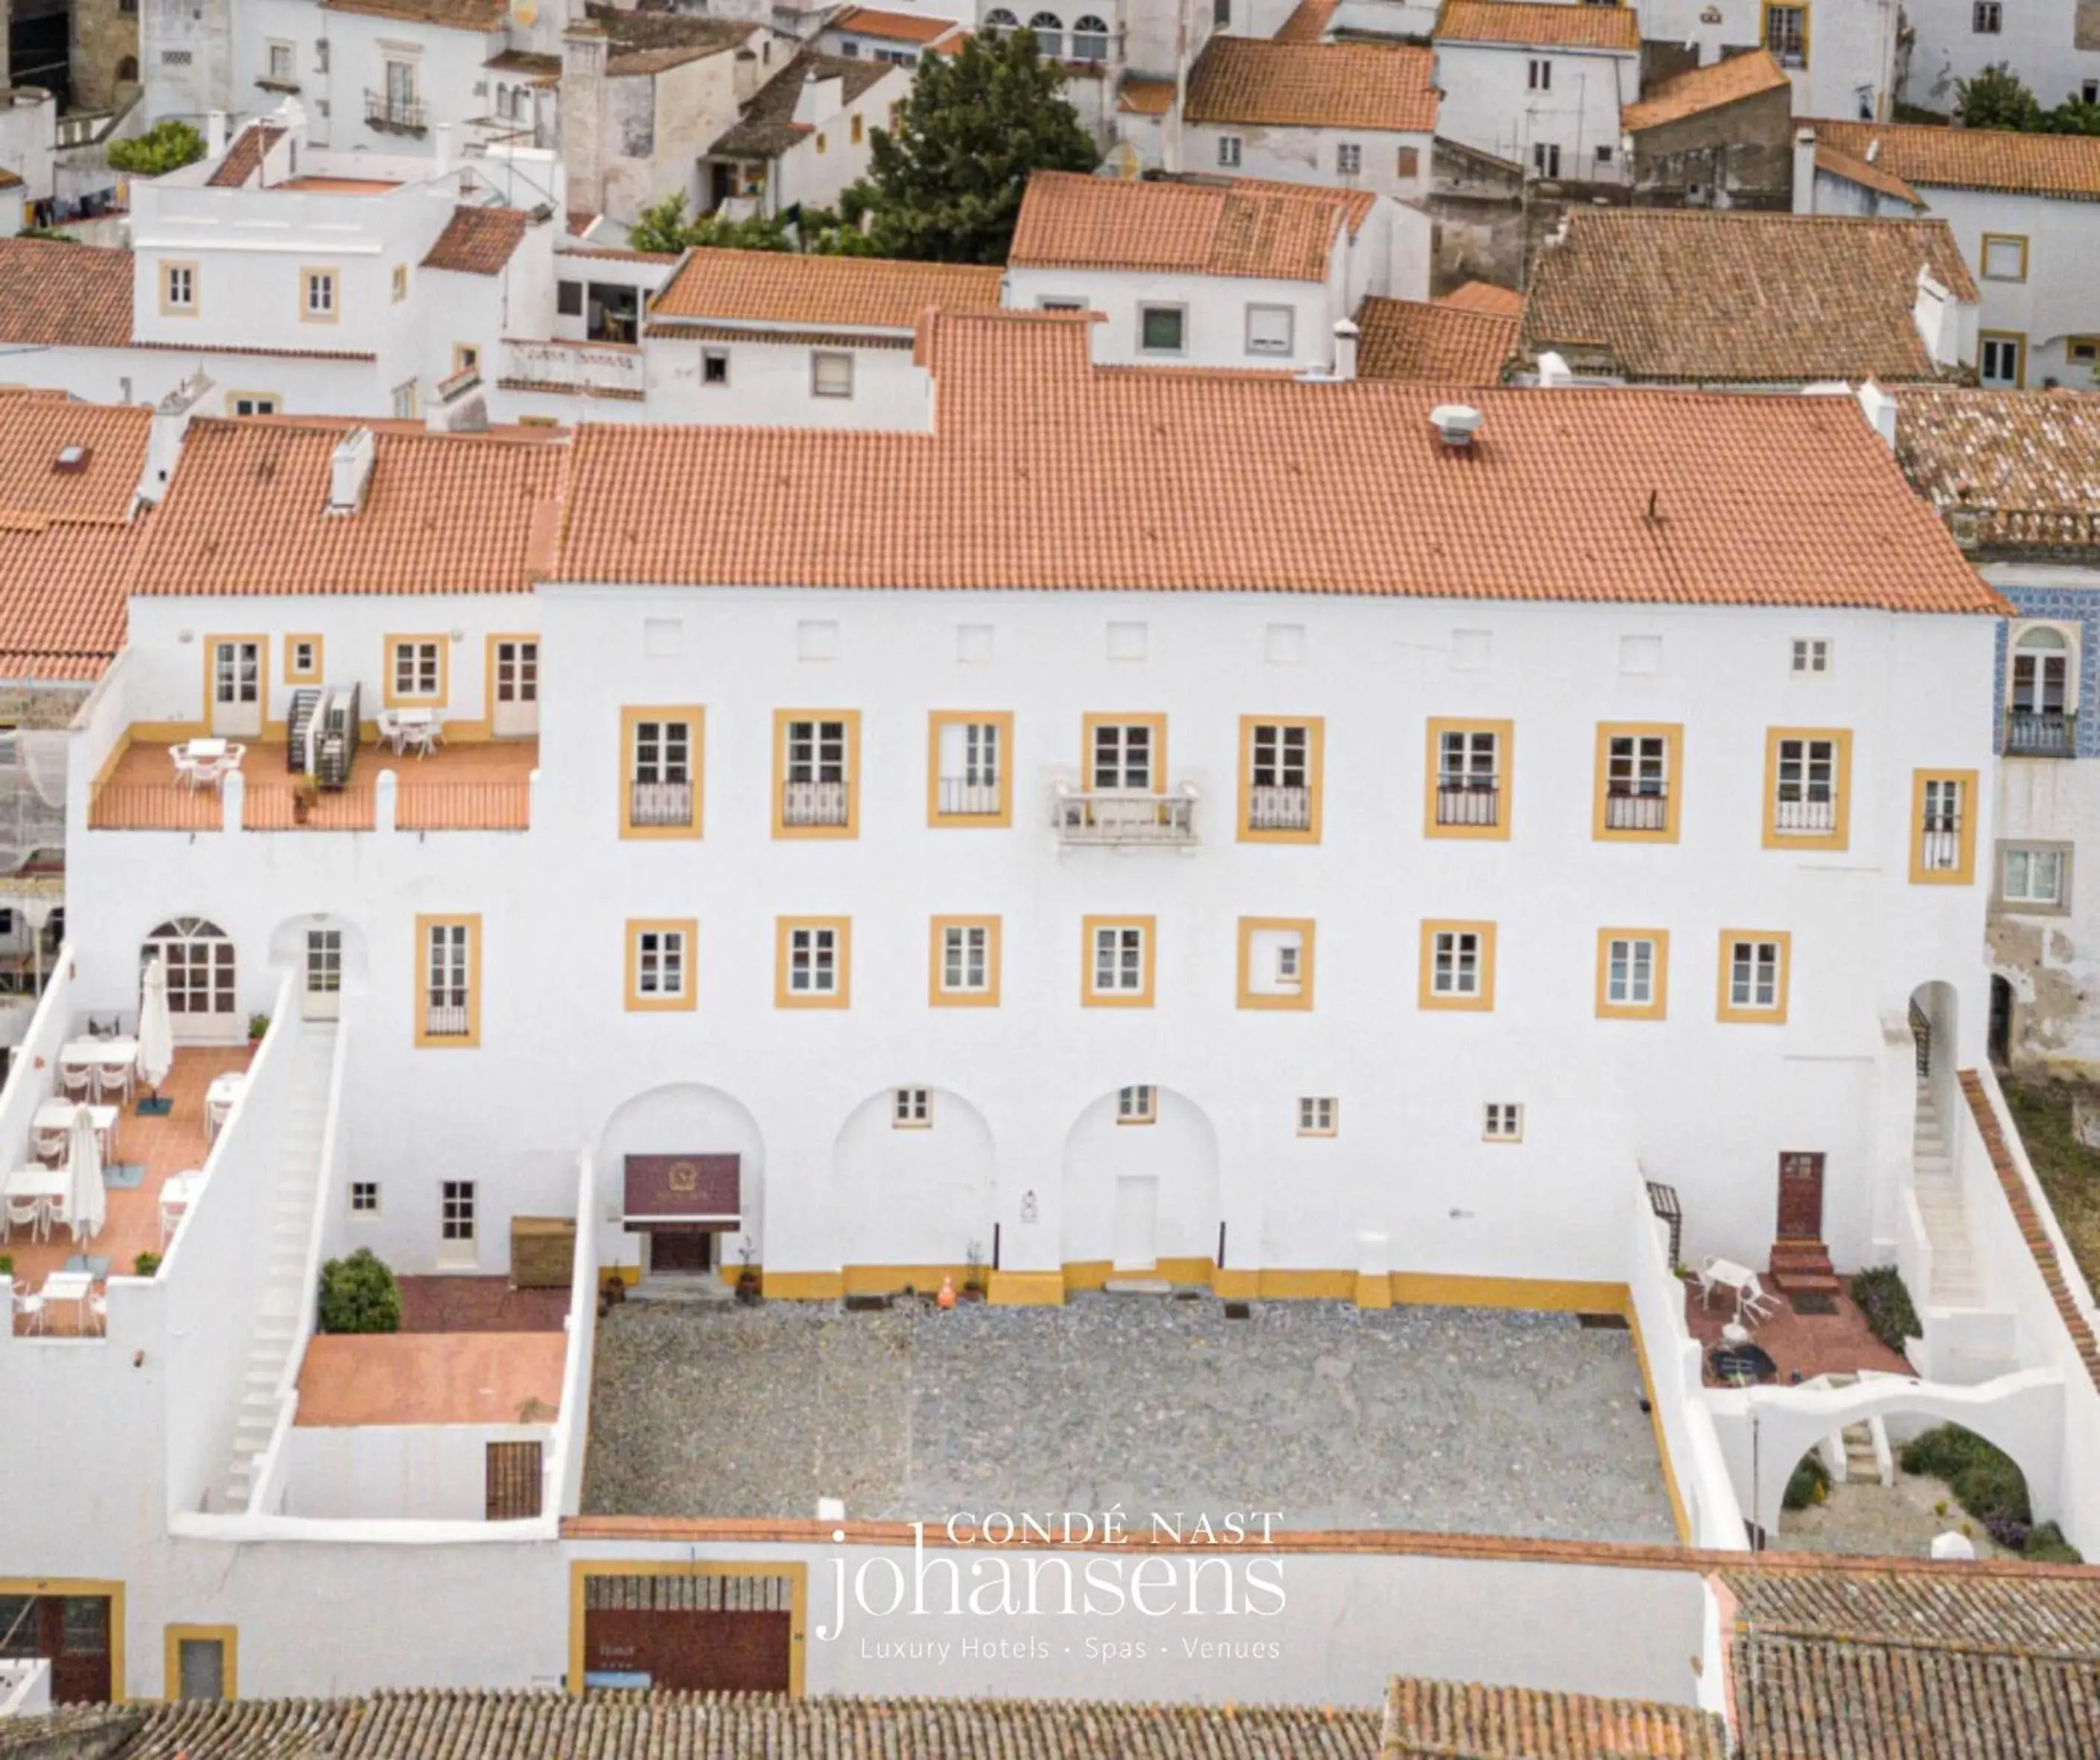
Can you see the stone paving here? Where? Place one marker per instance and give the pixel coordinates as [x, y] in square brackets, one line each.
[1448, 1419]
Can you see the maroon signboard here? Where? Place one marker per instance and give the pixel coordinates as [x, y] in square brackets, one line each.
[700, 1192]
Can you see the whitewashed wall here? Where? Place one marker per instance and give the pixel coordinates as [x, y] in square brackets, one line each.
[1489, 104]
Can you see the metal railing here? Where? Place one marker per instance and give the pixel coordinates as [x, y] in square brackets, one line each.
[814, 804]
[1939, 846]
[1279, 807]
[1796, 818]
[446, 1020]
[962, 798]
[612, 369]
[2041, 734]
[655, 803]
[1121, 817]
[405, 116]
[449, 806]
[1469, 803]
[1920, 1034]
[154, 807]
[1636, 812]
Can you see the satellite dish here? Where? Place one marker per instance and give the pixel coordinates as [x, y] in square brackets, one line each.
[1122, 163]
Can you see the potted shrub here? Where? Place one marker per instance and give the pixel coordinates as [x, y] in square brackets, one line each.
[358, 1295]
[974, 1282]
[6, 1264]
[749, 1289]
[611, 1291]
[258, 1026]
[303, 797]
[146, 1265]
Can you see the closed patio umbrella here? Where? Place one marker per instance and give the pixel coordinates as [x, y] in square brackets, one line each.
[157, 1034]
[87, 1205]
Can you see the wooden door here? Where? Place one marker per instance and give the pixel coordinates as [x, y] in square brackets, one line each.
[71, 1631]
[680, 1250]
[516, 712]
[1800, 1195]
[703, 1632]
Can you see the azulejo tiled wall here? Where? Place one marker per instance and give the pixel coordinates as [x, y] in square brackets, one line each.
[2065, 605]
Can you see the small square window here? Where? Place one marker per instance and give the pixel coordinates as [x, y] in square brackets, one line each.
[1317, 1116]
[1604, 157]
[1539, 76]
[1988, 18]
[178, 287]
[1162, 329]
[965, 961]
[319, 301]
[456, 1212]
[1269, 329]
[814, 963]
[2033, 877]
[1407, 162]
[1812, 656]
[660, 966]
[830, 373]
[714, 366]
[1137, 1105]
[302, 659]
[1754, 976]
[365, 1197]
[1349, 158]
[569, 299]
[1228, 153]
[1119, 962]
[1502, 1121]
[912, 1108]
[2005, 257]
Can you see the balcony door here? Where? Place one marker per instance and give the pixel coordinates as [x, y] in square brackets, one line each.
[203, 1005]
[321, 999]
[236, 687]
[514, 713]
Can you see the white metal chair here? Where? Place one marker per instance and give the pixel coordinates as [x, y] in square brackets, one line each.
[76, 1079]
[1753, 1305]
[98, 1304]
[52, 1147]
[22, 1213]
[389, 724]
[30, 1307]
[113, 1081]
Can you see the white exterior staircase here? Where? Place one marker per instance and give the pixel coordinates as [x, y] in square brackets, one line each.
[1955, 1284]
[284, 1291]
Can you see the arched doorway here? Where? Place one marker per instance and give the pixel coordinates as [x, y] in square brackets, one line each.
[204, 1004]
[913, 1166]
[683, 1166]
[1934, 1025]
[1140, 1187]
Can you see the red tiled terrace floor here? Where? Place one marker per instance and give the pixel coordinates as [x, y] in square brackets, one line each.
[1808, 1345]
[478, 1304]
[480, 786]
[173, 1144]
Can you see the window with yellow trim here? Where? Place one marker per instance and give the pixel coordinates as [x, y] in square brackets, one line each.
[1633, 974]
[1942, 828]
[415, 669]
[317, 296]
[1785, 34]
[964, 972]
[1280, 760]
[816, 768]
[2005, 257]
[970, 767]
[449, 981]
[659, 965]
[1808, 781]
[1276, 962]
[302, 659]
[661, 750]
[1640, 782]
[1470, 763]
[814, 957]
[1119, 952]
[1754, 976]
[179, 289]
[1458, 965]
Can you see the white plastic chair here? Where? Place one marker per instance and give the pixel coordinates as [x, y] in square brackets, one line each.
[113, 1080]
[76, 1078]
[186, 766]
[1705, 1278]
[30, 1307]
[98, 1304]
[389, 724]
[1752, 1303]
[52, 1147]
[22, 1213]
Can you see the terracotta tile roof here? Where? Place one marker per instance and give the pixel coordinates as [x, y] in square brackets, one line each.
[780, 287]
[1446, 344]
[501, 1725]
[892, 27]
[1308, 22]
[1683, 296]
[246, 514]
[525, 61]
[477, 240]
[1855, 170]
[1044, 472]
[2021, 462]
[449, 15]
[1144, 97]
[244, 158]
[1974, 158]
[55, 294]
[767, 126]
[1547, 26]
[614, 254]
[67, 535]
[1484, 296]
[1331, 85]
[1467, 1722]
[1925, 1666]
[1277, 231]
[1705, 88]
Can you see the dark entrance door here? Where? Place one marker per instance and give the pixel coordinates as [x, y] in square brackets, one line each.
[2001, 1021]
[1800, 1196]
[72, 1631]
[697, 1634]
[680, 1250]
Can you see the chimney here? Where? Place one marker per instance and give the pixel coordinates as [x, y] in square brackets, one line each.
[170, 422]
[349, 471]
[1804, 170]
[1456, 424]
[1554, 371]
[441, 144]
[821, 99]
[582, 113]
[1346, 335]
[214, 135]
[1880, 410]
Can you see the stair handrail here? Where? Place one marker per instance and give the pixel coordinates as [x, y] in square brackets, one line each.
[268, 1460]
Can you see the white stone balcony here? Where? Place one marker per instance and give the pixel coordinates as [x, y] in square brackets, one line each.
[583, 369]
[1124, 816]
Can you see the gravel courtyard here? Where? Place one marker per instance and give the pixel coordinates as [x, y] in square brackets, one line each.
[1456, 1420]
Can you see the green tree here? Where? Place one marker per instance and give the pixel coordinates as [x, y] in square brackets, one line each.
[814, 232]
[165, 146]
[1996, 99]
[945, 186]
[358, 1295]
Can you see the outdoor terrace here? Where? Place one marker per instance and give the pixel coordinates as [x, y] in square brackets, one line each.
[477, 786]
[175, 1143]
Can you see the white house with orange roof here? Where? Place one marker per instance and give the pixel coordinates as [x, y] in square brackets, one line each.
[1541, 84]
[2025, 209]
[1208, 273]
[899, 38]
